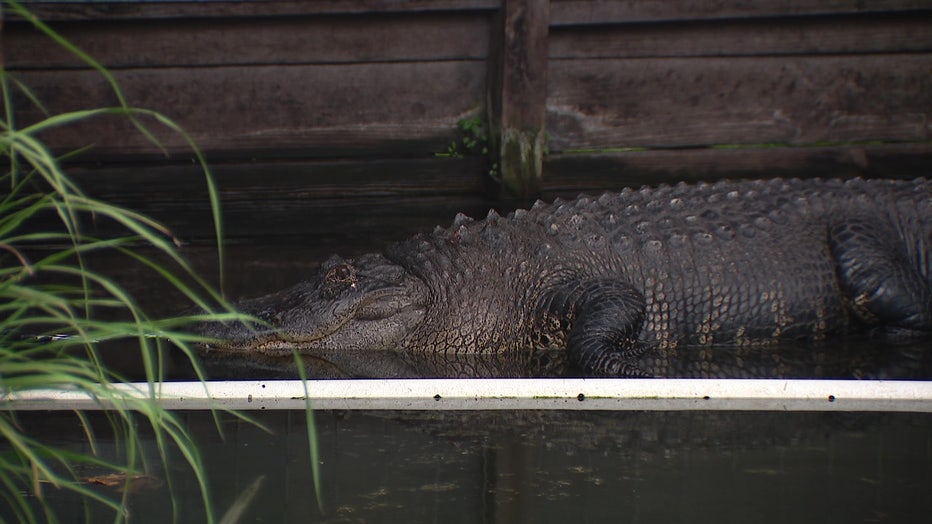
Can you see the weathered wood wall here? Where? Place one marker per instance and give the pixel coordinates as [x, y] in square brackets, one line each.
[621, 92]
[264, 84]
[706, 88]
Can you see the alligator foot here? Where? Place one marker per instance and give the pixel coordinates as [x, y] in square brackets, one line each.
[878, 275]
[606, 317]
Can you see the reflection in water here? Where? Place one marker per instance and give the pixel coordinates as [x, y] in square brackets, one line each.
[545, 466]
[842, 357]
[242, 502]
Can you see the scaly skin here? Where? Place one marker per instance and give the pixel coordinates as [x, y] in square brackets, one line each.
[621, 281]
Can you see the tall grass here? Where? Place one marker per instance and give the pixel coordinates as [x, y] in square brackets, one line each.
[55, 310]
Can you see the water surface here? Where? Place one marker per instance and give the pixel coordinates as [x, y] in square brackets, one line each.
[543, 466]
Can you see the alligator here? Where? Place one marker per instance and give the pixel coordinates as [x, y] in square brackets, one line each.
[618, 284]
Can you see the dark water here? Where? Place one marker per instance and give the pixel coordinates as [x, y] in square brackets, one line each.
[260, 264]
[517, 466]
[540, 467]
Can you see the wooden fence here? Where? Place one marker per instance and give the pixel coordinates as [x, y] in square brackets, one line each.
[564, 94]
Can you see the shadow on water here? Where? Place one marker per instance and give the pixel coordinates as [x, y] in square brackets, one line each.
[541, 466]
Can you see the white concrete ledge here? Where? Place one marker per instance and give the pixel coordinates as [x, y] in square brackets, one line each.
[493, 394]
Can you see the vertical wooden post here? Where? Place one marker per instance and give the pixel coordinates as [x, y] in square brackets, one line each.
[518, 95]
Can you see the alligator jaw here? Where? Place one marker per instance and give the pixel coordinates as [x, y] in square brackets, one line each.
[364, 304]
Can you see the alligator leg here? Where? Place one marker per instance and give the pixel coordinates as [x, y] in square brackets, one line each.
[880, 278]
[605, 318]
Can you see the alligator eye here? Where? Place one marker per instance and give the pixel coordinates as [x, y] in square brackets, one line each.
[342, 274]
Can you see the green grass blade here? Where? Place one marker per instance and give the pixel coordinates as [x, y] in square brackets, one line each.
[313, 450]
[46, 293]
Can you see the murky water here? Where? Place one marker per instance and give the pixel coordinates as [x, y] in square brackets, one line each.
[520, 466]
[541, 467]
[261, 264]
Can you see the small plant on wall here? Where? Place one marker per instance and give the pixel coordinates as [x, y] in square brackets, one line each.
[474, 140]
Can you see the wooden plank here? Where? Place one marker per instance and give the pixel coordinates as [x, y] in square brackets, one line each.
[291, 40]
[317, 201]
[329, 225]
[570, 12]
[519, 93]
[743, 37]
[280, 180]
[271, 201]
[568, 175]
[336, 223]
[392, 109]
[677, 102]
[194, 9]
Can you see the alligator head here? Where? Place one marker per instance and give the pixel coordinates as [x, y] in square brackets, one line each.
[349, 306]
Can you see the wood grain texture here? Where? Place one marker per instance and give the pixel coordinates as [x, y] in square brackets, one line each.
[524, 64]
[244, 41]
[283, 180]
[567, 12]
[272, 201]
[248, 8]
[865, 34]
[330, 110]
[288, 80]
[685, 102]
[518, 84]
[568, 175]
